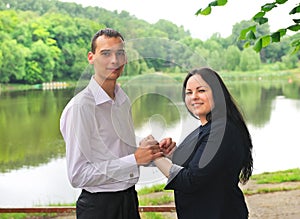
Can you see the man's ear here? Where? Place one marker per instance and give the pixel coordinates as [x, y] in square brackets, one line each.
[91, 58]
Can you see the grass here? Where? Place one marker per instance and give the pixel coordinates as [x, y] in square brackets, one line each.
[161, 200]
[290, 175]
[269, 190]
[269, 179]
[151, 189]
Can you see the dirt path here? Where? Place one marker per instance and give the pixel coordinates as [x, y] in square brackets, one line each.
[274, 205]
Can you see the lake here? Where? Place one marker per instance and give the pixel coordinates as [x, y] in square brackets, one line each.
[32, 158]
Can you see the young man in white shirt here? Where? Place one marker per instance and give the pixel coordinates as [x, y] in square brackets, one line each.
[102, 157]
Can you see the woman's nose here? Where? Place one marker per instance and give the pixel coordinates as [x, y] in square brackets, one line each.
[194, 95]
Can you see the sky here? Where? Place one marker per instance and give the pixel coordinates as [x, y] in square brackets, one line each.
[182, 13]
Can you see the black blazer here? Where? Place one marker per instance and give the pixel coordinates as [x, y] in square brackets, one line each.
[207, 186]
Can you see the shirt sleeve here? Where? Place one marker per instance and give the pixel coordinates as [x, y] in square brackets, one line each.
[78, 128]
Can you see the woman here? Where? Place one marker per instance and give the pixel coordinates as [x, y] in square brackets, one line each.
[208, 165]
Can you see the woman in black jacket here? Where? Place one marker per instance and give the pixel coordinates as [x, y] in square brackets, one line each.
[208, 165]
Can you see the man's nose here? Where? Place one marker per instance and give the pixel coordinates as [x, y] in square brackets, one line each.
[114, 58]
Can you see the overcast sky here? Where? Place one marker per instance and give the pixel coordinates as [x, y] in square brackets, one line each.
[182, 13]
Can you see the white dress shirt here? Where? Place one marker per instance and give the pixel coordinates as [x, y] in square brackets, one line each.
[100, 140]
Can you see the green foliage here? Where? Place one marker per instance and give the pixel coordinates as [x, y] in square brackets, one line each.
[249, 33]
[48, 40]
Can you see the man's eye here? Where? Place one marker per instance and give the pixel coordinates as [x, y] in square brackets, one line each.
[106, 53]
[120, 53]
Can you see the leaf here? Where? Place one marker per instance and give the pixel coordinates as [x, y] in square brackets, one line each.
[275, 37]
[295, 10]
[247, 44]
[297, 21]
[282, 32]
[268, 7]
[244, 32]
[261, 20]
[258, 45]
[218, 3]
[214, 3]
[250, 35]
[281, 1]
[222, 2]
[259, 15]
[205, 11]
[295, 27]
[262, 42]
[266, 40]
[295, 43]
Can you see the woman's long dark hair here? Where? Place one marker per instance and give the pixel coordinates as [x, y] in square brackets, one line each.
[222, 96]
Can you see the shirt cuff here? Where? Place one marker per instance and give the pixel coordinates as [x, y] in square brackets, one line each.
[174, 170]
[133, 169]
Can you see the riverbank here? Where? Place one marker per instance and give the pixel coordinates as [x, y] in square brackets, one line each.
[262, 74]
[268, 196]
[282, 204]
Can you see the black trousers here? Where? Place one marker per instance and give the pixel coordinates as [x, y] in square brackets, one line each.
[108, 205]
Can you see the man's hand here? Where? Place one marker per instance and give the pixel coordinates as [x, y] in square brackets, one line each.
[167, 146]
[148, 151]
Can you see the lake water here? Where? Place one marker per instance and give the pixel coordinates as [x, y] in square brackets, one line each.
[33, 166]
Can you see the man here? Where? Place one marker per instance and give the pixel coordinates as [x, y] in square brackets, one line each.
[97, 127]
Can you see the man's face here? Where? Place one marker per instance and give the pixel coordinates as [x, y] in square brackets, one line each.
[109, 58]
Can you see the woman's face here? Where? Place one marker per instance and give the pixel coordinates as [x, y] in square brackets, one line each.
[199, 97]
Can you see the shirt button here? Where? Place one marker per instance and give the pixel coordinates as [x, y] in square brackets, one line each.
[131, 175]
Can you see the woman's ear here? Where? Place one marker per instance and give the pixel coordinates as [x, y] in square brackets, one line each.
[91, 58]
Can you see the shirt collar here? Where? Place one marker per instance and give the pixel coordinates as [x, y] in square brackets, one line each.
[101, 96]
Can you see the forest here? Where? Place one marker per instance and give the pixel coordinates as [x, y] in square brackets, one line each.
[48, 40]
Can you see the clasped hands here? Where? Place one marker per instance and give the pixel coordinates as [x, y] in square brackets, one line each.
[150, 149]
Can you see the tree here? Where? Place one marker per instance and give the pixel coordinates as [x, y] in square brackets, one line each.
[249, 33]
[40, 64]
[13, 61]
[232, 58]
[249, 60]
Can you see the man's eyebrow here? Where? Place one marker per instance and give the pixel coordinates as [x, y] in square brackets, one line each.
[109, 50]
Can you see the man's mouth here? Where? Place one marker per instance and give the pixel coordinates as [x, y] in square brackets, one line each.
[114, 69]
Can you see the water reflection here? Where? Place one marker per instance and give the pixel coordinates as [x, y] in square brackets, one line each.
[32, 163]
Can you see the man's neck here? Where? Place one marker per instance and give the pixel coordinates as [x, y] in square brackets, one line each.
[107, 85]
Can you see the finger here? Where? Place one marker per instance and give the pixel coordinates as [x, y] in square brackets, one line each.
[157, 155]
[153, 143]
[165, 142]
[154, 147]
[150, 137]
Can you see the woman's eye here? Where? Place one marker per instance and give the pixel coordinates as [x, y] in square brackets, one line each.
[201, 90]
